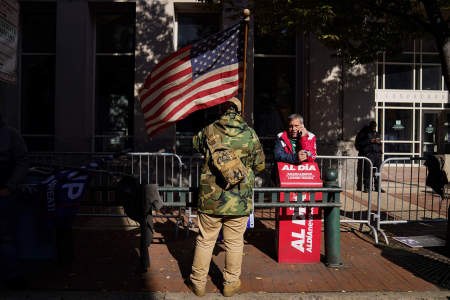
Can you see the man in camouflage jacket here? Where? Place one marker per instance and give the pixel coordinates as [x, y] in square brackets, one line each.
[220, 207]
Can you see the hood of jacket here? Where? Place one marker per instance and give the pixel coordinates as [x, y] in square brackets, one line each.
[230, 124]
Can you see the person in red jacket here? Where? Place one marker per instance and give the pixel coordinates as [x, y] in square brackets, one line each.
[296, 144]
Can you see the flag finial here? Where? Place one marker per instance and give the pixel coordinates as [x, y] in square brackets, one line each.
[246, 15]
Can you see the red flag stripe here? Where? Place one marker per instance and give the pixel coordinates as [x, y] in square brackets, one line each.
[223, 95]
[155, 99]
[153, 132]
[168, 82]
[194, 109]
[214, 89]
[175, 93]
[144, 94]
[169, 59]
[163, 71]
[176, 84]
[174, 68]
[177, 96]
[171, 92]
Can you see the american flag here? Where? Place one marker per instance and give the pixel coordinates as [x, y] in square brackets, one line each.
[195, 77]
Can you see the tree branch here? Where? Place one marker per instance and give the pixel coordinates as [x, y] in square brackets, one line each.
[421, 22]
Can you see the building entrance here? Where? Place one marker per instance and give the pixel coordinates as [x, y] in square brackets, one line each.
[429, 129]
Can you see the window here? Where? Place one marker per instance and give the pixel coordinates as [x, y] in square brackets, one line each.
[274, 94]
[114, 68]
[408, 128]
[399, 77]
[275, 82]
[417, 68]
[431, 78]
[446, 133]
[398, 125]
[191, 28]
[38, 47]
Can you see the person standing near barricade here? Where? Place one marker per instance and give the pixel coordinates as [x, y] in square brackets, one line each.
[221, 203]
[296, 144]
[368, 144]
[13, 170]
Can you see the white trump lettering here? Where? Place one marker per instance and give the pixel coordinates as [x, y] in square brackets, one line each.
[75, 189]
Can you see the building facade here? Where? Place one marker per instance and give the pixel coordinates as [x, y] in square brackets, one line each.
[81, 64]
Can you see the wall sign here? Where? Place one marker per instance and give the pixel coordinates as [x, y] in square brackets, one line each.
[9, 31]
[398, 125]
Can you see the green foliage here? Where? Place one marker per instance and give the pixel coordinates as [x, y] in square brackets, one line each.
[359, 29]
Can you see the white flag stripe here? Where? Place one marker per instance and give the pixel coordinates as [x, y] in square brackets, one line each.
[203, 100]
[182, 67]
[169, 85]
[180, 91]
[203, 87]
[171, 62]
[180, 80]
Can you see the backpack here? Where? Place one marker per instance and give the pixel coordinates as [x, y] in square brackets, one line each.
[224, 159]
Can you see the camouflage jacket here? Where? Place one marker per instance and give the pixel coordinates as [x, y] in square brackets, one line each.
[237, 135]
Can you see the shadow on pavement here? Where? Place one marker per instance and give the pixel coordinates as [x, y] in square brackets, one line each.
[431, 264]
[101, 259]
[263, 238]
[432, 269]
[182, 249]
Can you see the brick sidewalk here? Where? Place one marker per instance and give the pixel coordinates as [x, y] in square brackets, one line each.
[107, 260]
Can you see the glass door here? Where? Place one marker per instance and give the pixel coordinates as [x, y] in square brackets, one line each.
[429, 138]
[445, 135]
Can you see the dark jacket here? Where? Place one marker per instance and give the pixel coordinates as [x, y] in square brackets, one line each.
[436, 178]
[13, 162]
[363, 143]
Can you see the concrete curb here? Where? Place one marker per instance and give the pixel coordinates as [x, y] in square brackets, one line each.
[91, 295]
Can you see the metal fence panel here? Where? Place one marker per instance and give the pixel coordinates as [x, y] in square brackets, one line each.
[356, 205]
[407, 198]
[163, 169]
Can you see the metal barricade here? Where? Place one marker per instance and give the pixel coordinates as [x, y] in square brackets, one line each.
[193, 166]
[100, 199]
[163, 169]
[407, 198]
[174, 179]
[357, 205]
[112, 162]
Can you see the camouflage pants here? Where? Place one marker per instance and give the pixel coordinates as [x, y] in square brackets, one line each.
[233, 239]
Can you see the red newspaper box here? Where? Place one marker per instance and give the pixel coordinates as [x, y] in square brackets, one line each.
[299, 229]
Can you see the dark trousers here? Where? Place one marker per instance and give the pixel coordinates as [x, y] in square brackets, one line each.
[363, 171]
[8, 233]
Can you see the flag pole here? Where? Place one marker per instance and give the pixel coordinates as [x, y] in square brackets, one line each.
[244, 77]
